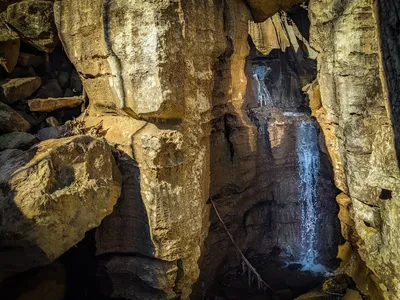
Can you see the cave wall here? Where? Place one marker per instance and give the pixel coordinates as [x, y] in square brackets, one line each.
[171, 82]
[254, 164]
[148, 71]
[356, 119]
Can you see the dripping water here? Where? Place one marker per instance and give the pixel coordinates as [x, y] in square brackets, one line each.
[260, 73]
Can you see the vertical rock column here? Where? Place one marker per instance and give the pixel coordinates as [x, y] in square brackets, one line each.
[356, 121]
[147, 68]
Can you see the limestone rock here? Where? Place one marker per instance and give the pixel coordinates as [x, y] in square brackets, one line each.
[138, 66]
[53, 132]
[51, 104]
[51, 195]
[34, 21]
[262, 9]
[336, 285]
[9, 47]
[280, 32]
[75, 83]
[20, 72]
[17, 140]
[10, 120]
[124, 271]
[352, 295]
[30, 60]
[63, 79]
[357, 113]
[19, 88]
[144, 61]
[51, 89]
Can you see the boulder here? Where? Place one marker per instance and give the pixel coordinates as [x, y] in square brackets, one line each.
[10, 120]
[17, 140]
[20, 72]
[51, 104]
[68, 93]
[125, 270]
[336, 285]
[34, 21]
[19, 88]
[51, 195]
[352, 295]
[9, 47]
[53, 132]
[30, 60]
[51, 89]
[76, 83]
[63, 79]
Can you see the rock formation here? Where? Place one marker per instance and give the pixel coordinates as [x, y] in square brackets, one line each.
[356, 117]
[182, 102]
[50, 196]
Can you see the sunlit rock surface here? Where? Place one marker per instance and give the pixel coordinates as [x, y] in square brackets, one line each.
[50, 196]
[148, 72]
[355, 116]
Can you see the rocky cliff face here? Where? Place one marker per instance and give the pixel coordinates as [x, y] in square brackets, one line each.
[199, 100]
[148, 71]
[356, 119]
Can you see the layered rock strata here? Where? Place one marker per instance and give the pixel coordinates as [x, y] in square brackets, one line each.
[355, 115]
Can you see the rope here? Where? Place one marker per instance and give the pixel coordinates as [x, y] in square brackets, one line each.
[248, 264]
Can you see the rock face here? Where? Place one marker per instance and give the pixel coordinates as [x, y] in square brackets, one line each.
[175, 87]
[34, 21]
[254, 175]
[10, 120]
[9, 46]
[148, 63]
[47, 203]
[356, 118]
